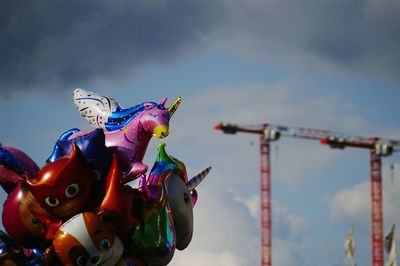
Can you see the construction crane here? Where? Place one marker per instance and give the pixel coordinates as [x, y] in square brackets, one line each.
[378, 148]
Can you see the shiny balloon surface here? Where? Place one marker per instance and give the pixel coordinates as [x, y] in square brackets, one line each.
[78, 208]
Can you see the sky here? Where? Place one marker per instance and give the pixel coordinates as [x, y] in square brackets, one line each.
[312, 63]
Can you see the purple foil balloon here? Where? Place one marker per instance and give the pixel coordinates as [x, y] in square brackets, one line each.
[15, 165]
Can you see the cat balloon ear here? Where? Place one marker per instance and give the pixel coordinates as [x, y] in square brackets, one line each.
[75, 153]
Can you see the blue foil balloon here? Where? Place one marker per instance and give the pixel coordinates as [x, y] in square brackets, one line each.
[92, 147]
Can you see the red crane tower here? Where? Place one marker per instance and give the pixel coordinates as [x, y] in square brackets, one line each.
[378, 147]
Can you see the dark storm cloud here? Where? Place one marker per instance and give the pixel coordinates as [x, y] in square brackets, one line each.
[359, 35]
[54, 44]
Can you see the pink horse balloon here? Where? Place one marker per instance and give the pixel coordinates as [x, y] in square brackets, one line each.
[127, 131]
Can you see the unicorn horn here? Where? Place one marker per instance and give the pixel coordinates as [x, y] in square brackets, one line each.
[174, 106]
[196, 180]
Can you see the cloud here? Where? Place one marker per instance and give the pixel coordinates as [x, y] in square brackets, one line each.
[286, 253]
[286, 225]
[202, 257]
[49, 45]
[358, 36]
[226, 233]
[353, 206]
[226, 217]
[53, 45]
[355, 203]
[253, 205]
[261, 103]
[352, 203]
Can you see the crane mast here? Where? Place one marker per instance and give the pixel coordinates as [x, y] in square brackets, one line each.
[265, 201]
[378, 148]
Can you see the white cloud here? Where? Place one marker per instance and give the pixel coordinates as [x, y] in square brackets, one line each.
[204, 257]
[307, 160]
[286, 253]
[355, 203]
[352, 203]
[285, 224]
[253, 205]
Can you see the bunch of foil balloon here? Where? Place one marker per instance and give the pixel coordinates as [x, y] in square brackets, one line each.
[82, 208]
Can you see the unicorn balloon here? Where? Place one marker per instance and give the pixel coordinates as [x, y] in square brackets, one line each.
[127, 131]
[156, 218]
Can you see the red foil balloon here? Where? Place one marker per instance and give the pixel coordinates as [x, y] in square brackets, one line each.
[65, 186]
[18, 218]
